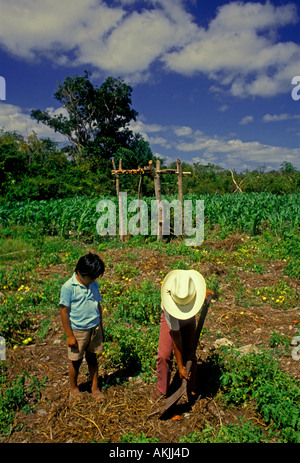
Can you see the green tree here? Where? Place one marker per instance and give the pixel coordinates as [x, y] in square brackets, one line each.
[286, 166]
[12, 159]
[93, 116]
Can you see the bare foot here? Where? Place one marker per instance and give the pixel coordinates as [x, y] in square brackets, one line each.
[98, 395]
[75, 393]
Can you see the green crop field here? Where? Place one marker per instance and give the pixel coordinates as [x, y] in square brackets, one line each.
[250, 213]
[248, 379]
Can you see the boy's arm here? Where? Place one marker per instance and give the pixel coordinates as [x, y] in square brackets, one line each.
[72, 342]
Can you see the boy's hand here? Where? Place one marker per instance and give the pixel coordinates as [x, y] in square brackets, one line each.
[72, 341]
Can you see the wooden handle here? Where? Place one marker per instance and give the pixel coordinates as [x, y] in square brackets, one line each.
[204, 309]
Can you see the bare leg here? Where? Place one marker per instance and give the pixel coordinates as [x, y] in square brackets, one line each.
[93, 369]
[73, 375]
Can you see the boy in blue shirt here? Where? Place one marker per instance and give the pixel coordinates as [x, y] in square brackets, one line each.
[81, 316]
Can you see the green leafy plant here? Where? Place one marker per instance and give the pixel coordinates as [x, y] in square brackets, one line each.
[241, 432]
[131, 348]
[19, 395]
[277, 340]
[139, 438]
[258, 377]
[141, 304]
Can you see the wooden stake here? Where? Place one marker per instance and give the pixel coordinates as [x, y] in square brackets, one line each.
[139, 198]
[117, 178]
[155, 172]
[179, 170]
[121, 218]
[238, 186]
[158, 198]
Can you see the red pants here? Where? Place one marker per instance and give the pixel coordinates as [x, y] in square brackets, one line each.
[164, 359]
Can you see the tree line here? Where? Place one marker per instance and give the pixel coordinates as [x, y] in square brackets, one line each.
[95, 121]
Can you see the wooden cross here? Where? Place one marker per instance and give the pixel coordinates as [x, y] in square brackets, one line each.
[155, 173]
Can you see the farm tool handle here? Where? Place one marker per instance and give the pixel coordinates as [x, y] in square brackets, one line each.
[208, 298]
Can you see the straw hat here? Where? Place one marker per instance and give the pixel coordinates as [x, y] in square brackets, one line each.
[183, 293]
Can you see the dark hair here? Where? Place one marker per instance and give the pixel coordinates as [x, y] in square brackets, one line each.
[90, 265]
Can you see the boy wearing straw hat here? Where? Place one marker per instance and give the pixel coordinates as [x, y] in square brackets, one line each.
[182, 295]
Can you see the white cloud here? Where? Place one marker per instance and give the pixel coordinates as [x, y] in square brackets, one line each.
[15, 119]
[246, 120]
[230, 153]
[198, 147]
[239, 49]
[183, 131]
[110, 38]
[223, 108]
[279, 117]
[52, 27]
[234, 153]
[139, 39]
[161, 141]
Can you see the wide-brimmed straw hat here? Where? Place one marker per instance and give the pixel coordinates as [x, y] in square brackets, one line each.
[183, 293]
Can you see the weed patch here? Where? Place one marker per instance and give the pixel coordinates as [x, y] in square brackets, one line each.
[21, 394]
[258, 377]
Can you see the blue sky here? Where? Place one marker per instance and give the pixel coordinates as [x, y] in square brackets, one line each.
[212, 80]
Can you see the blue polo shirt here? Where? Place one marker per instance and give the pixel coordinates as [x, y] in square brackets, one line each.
[83, 304]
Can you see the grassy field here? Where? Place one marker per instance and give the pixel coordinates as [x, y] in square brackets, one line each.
[248, 380]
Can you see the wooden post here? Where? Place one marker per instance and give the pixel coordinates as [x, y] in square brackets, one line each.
[238, 186]
[179, 182]
[139, 197]
[179, 170]
[121, 218]
[117, 178]
[158, 198]
[155, 172]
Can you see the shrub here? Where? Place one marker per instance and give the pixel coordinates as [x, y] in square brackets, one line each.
[258, 377]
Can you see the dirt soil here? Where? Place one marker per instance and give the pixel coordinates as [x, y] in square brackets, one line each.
[128, 408]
